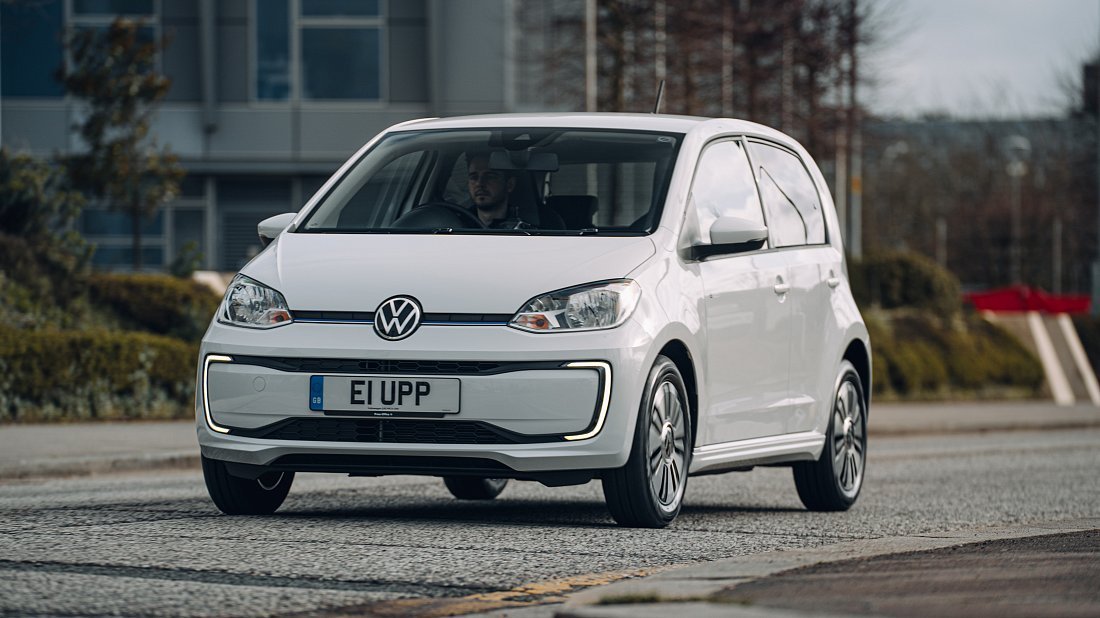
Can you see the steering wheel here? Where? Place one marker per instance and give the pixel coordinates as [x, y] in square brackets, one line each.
[437, 215]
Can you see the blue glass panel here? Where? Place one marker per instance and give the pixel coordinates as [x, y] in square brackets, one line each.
[108, 223]
[193, 186]
[113, 7]
[145, 34]
[341, 63]
[339, 8]
[30, 48]
[124, 256]
[272, 50]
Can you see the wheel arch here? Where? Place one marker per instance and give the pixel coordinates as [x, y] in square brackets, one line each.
[859, 355]
[678, 352]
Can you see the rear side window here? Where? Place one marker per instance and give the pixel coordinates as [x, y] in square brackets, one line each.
[790, 197]
[723, 186]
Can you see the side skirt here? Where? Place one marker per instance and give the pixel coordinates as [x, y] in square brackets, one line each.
[804, 446]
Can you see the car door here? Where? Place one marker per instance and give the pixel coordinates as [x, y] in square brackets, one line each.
[792, 201]
[747, 316]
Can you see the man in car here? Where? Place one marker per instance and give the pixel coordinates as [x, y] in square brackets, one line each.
[489, 189]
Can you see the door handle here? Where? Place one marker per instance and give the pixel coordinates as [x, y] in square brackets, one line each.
[782, 288]
[833, 281]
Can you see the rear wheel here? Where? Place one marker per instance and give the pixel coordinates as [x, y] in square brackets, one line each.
[474, 488]
[234, 495]
[833, 482]
[647, 492]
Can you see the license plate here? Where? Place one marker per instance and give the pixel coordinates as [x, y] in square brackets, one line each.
[381, 395]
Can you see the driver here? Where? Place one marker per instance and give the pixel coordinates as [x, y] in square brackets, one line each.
[489, 189]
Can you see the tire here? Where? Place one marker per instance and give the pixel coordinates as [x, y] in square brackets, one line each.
[239, 496]
[833, 482]
[647, 492]
[474, 488]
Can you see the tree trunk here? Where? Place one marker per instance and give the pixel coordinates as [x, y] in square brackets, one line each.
[135, 223]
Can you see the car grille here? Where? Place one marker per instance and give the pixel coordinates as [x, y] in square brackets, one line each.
[495, 319]
[351, 365]
[392, 464]
[396, 431]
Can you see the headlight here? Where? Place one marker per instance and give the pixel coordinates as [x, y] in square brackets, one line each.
[254, 305]
[587, 307]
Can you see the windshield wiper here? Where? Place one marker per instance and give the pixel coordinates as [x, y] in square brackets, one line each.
[588, 230]
[443, 230]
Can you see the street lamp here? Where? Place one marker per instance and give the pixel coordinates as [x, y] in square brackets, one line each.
[1017, 150]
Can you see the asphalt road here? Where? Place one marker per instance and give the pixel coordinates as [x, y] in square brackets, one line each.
[1048, 576]
[152, 544]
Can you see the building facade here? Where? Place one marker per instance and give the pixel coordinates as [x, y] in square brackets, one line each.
[268, 98]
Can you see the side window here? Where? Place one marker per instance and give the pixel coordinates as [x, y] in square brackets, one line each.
[790, 198]
[723, 186]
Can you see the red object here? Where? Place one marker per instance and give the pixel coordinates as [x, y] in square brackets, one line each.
[1023, 298]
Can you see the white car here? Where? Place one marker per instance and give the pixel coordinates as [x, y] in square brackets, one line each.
[553, 297]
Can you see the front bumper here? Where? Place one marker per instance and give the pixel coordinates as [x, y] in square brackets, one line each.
[563, 401]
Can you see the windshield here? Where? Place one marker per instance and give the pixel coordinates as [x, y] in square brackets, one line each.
[503, 181]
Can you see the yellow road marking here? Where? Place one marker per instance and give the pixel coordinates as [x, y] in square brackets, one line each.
[536, 593]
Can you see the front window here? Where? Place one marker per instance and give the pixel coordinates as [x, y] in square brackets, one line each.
[508, 180]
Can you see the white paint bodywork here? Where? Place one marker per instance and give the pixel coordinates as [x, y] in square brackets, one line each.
[764, 361]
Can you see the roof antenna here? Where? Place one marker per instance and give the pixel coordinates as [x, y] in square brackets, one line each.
[660, 97]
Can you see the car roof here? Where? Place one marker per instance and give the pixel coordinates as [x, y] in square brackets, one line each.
[600, 120]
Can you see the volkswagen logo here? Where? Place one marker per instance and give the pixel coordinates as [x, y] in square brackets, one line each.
[397, 317]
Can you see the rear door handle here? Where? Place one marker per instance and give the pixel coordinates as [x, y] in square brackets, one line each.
[833, 281]
[782, 288]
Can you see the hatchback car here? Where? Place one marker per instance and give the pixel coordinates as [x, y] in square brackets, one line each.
[557, 298]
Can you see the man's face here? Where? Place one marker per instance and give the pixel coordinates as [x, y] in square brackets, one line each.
[488, 188]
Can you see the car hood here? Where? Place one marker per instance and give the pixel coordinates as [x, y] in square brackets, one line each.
[446, 273]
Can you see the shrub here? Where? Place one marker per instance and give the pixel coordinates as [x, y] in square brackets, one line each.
[881, 342]
[897, 279]
[157, 303]
[918, 355]
[916, 367]
[37, 202]
[48, 276]
[1008, 362]
[52, 375]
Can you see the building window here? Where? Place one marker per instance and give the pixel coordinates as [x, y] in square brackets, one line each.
[98, 15]
[100, 223]
[121, 258]
[30, 48]
[272, 23]
[318, 50]
[112, 234]
[111, 8]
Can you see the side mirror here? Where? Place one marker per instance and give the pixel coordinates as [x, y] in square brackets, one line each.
[271, 227]
[733, 235]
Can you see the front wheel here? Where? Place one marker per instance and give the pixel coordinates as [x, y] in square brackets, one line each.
[234, 495]
[474, 488]
[647, 492]
[833, 482]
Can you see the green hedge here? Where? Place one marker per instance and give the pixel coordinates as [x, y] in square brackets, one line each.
[896, 279]
[917, 355]
[39, 287]
[64, 375]
[156, 303]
